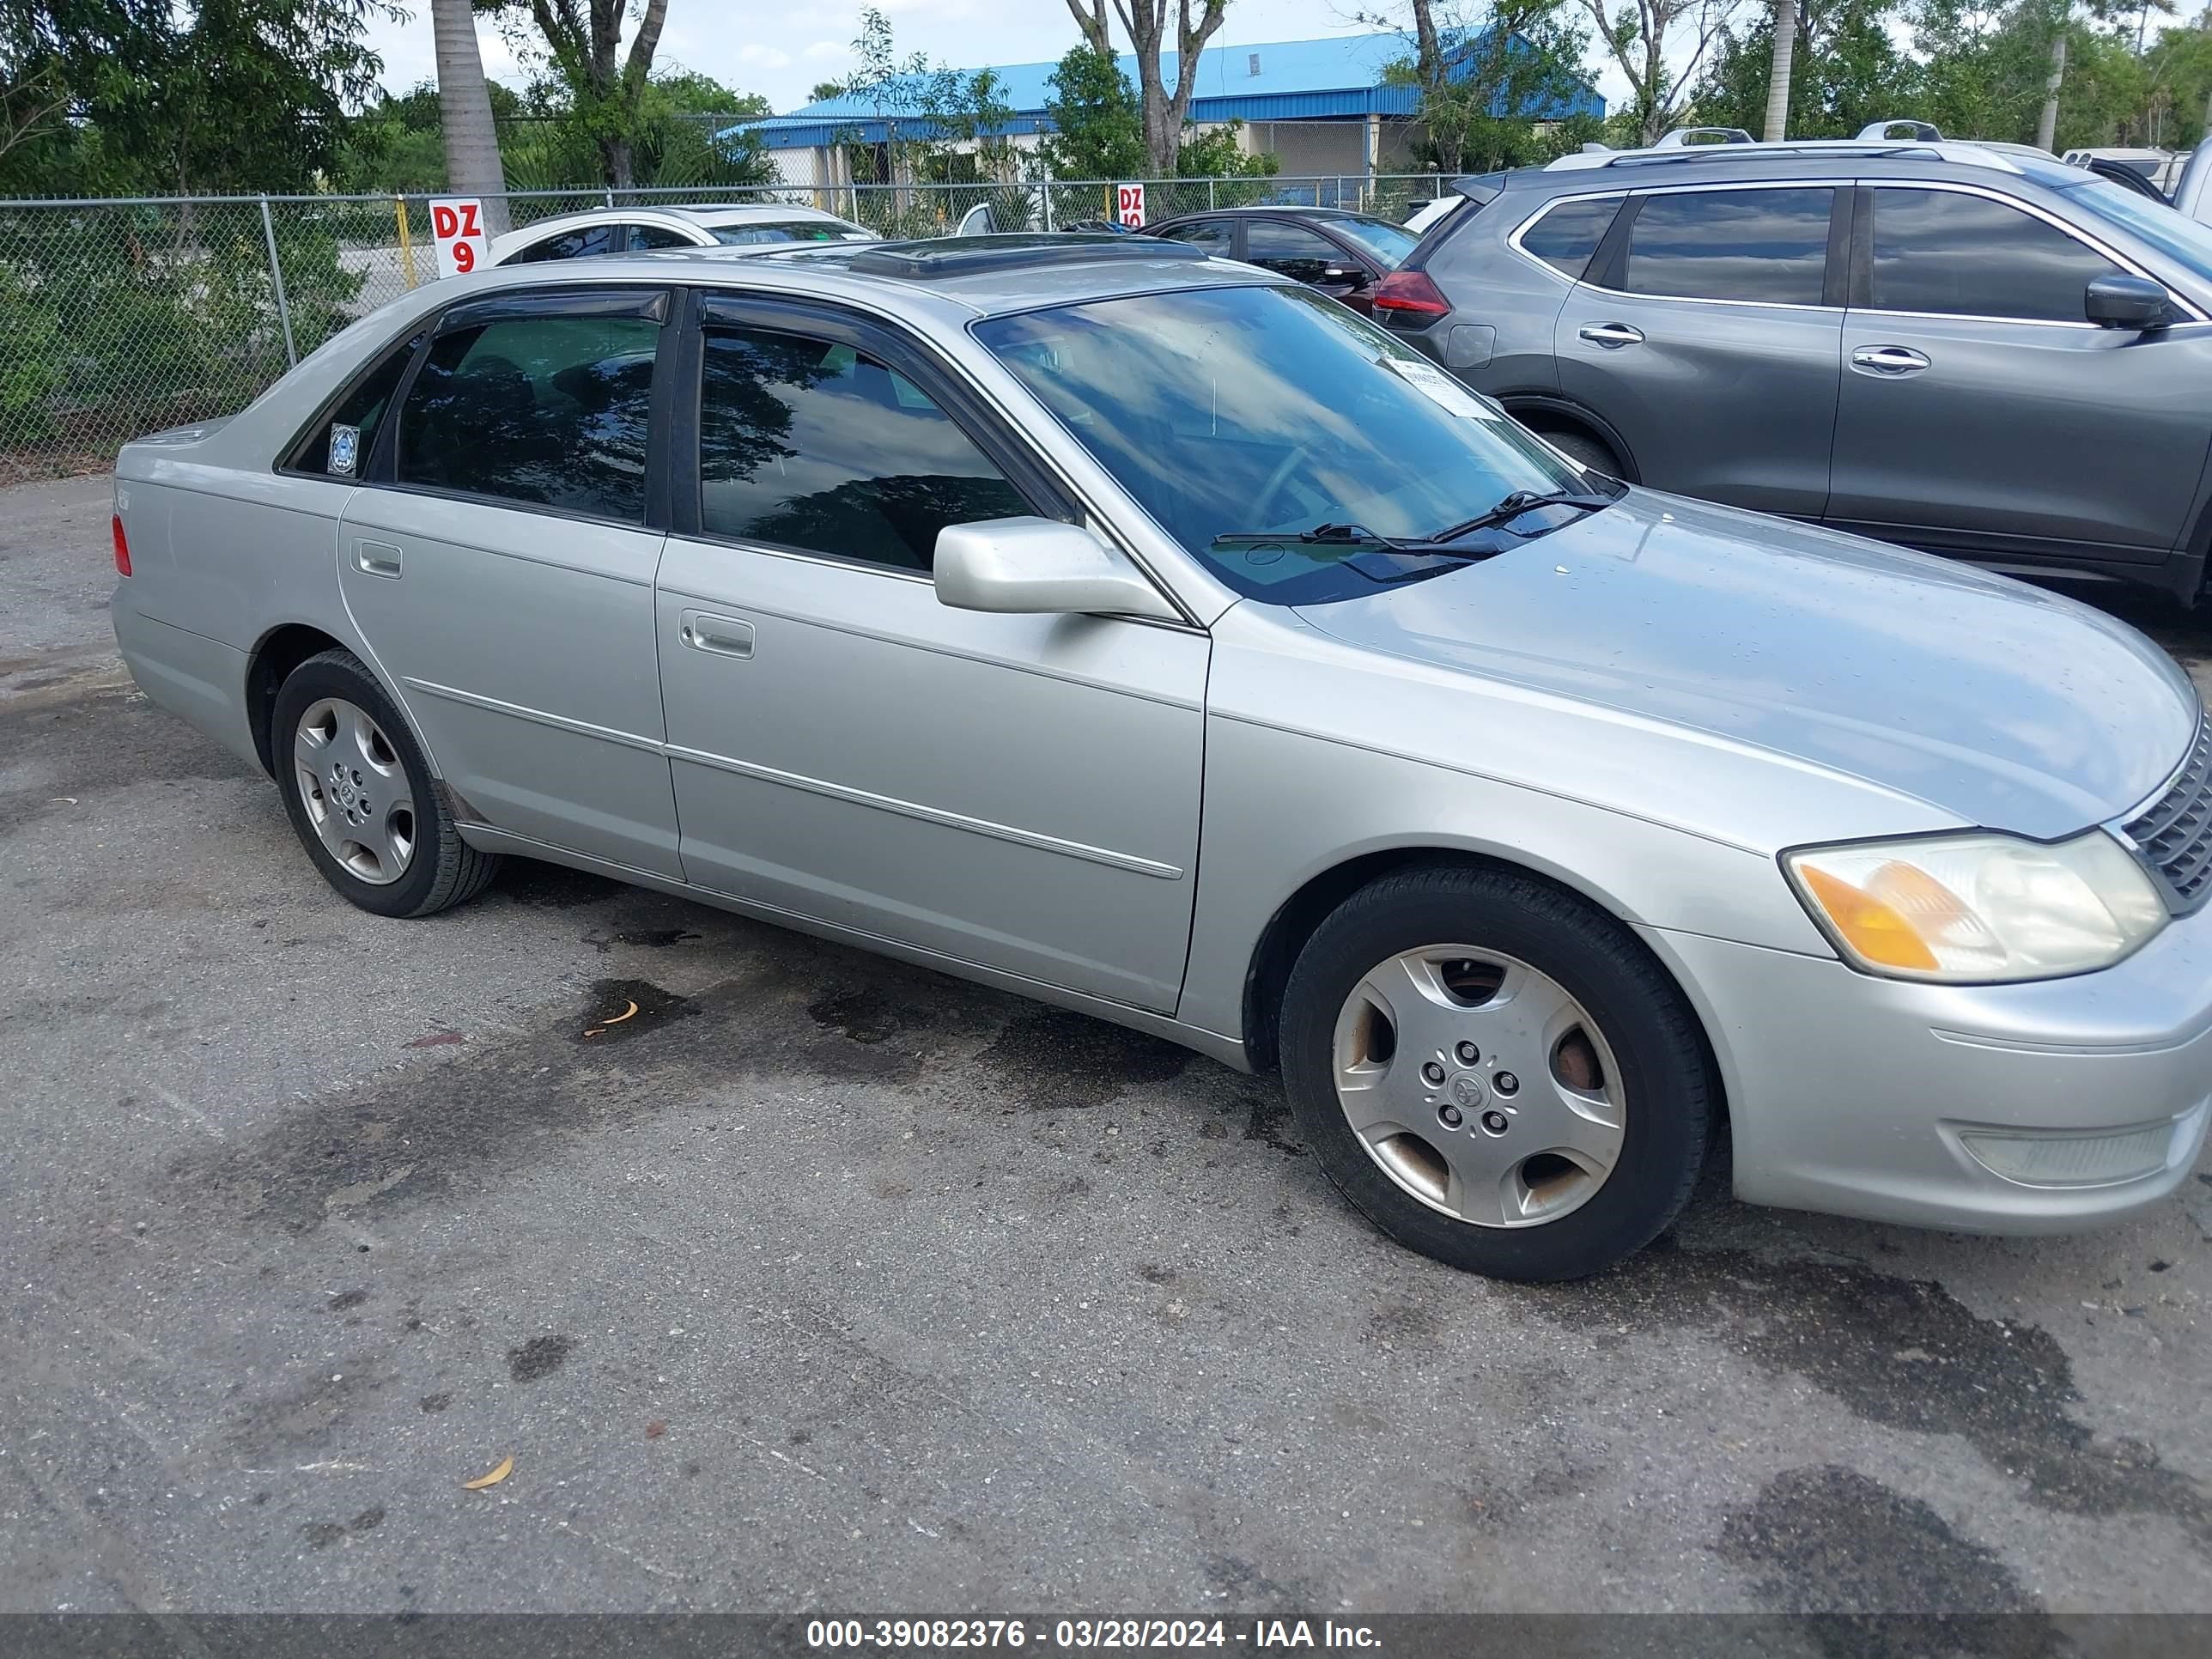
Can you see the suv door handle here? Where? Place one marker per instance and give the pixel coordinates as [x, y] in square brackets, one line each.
[1888, 360]
[1612, 336]
[726, 636]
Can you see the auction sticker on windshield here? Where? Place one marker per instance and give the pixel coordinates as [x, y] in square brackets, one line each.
[1443, 389]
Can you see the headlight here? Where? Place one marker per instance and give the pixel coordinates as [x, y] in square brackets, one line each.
[1978, 907]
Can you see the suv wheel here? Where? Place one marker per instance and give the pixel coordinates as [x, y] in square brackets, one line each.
[1496, 1073]
[1584, 449]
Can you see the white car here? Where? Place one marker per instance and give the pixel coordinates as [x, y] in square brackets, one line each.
[1425, 217]
[641, 229]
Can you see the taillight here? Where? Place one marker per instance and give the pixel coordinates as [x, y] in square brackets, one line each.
[122, 545]
[1410, 294]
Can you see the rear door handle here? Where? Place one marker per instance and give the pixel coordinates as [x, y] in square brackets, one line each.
[1612, 336]
[726, 636]
[1888, 361]
[376, 558]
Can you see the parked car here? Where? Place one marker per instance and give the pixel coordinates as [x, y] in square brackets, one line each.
[2159, 168]
[643, 230]
[1147, 633]
[1957, 348]
[1341, 253]
[1427, 216]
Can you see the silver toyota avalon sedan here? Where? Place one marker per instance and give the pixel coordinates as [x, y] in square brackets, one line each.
[1147, 633]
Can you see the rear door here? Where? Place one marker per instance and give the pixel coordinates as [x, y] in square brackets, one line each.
[499, 564]
[1706, 330]
[1982, 413]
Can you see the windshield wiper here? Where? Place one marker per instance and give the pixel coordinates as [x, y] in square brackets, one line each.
[1326, 535]
[1511, 507]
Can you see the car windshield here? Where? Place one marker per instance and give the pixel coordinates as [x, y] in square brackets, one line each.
[2175, 234]
[750, 233]
[1268, 411]
[1387, 242]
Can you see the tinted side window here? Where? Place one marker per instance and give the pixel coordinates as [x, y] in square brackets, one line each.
[643, 239]
[1294, 251]
[546, 409]
[339, 446]
[1770, 246]
[1214, 235]
[1943, 251]
[1566, 237]
[575, 245]
[816, 445]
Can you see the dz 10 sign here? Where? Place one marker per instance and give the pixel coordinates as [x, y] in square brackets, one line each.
[1129, 206]
[458, 228]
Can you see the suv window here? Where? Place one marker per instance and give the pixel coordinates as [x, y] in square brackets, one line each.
[810, 445]
[1567, 234]
[1944, 250]
[546, 409]
[1214, 235]
[339, 447]
[1766, 246]
[1295, 252]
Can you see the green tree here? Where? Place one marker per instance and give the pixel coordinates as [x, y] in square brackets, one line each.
[1480, 77]
[1097, 131]
[603, 88]
[1847, 71]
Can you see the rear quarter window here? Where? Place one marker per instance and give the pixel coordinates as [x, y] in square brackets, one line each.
[1565, 235]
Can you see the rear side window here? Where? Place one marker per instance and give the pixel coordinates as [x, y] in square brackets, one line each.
[550, 410]
[644, 239]
[575, 245]
[1566, 236]
[1765, 246]
[803, 443]
[339, 446]
[1944, 250]
[1213, 234]
[754, 233]
[1303, 255]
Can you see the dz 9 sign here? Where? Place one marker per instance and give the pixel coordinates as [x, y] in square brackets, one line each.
[458, 228]
[1129, 206]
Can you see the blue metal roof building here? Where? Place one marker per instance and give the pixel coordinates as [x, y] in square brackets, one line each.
[1338, 79]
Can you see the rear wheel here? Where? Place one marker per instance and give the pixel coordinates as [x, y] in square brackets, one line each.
[360, 796]
[1496, 1073]
[1585, 449]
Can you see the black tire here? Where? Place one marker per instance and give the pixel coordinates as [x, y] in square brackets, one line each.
[1663, 1067]
[443, 870]
[1584, 449]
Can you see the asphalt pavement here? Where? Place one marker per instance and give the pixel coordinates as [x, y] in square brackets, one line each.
[826, 1284]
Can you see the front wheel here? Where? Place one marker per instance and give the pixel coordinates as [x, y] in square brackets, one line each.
[360, 796]
[1496, 1074]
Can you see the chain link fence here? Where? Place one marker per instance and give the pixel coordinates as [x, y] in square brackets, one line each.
[121, 317]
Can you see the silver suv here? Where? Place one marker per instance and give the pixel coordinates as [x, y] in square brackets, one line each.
[1968, 350]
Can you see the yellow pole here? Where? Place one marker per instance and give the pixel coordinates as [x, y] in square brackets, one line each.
[406, 246]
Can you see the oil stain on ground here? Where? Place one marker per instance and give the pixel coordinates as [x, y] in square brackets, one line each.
[1872, 1574]
[539, 1358]
[623, 1010]
[867, 1013]
[1902, 1353]
[1053, 1060]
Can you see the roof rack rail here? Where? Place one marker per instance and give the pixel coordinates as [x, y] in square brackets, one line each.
[1926, 131]
[957, 256]
[1682, 138]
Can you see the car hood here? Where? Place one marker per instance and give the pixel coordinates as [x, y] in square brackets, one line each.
[1984, 698]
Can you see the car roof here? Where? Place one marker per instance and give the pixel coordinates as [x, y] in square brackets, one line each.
[704, 214]
[1812, 158]
[957, 278]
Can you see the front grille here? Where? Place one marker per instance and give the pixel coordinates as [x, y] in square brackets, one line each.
[2174, 833]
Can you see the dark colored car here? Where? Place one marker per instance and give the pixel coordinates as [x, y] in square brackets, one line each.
[1969, 351]
[1342, 253]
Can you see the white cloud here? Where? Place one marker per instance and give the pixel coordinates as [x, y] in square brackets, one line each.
[816, 51]
[755, 55]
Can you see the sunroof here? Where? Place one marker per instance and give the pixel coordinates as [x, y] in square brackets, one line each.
[953, 256]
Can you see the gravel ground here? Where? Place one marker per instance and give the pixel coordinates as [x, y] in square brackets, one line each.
[831, 1283]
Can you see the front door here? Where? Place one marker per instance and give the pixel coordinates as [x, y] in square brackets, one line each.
[1982, 413]
[1020, 792]
[1701, 332]
[1305, 255]
[499, 564]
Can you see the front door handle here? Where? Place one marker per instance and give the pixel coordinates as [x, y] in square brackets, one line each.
[1612, 336]
[726, 636]
[1888, 361]
[376, 558]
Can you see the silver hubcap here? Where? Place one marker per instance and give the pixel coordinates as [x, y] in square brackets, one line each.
[1478, 1086]
[355, 790]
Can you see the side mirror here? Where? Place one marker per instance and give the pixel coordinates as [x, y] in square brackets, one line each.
[2135, 302]
[1033, 566]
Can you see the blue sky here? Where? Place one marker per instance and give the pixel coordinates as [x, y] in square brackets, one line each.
[783, 50]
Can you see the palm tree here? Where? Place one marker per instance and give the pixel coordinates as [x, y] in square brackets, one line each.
[1777, 76]
[472, 163]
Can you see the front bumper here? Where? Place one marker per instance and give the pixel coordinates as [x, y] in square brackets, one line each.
[1901, 1102]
